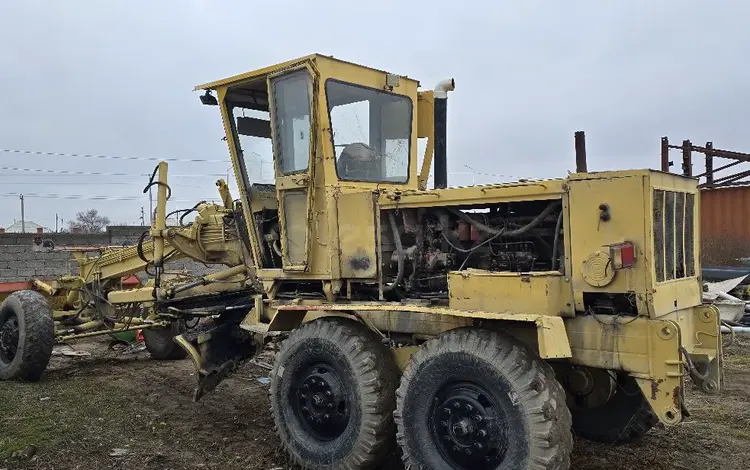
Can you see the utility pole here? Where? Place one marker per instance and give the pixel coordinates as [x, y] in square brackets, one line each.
[55, 223]
[23, 217]
[143, 217]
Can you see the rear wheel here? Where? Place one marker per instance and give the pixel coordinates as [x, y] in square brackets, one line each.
[333, 395]
[160, 341]
[477, 399]
[27, 334]
[624, 417]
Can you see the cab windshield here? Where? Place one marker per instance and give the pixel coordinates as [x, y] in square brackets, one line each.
[371, 132]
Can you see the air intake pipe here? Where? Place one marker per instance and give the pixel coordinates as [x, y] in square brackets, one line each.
[441, 130]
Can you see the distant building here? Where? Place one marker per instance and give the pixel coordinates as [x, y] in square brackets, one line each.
[31, 227]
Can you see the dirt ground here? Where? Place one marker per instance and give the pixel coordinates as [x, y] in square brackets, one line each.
[123, 410]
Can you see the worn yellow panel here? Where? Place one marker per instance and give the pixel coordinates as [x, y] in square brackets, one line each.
[486, 194]
[425, 114]
[551, 334]
[531, 293]
[624, 198]
[295, 226]
[357, 236]
[647, 349]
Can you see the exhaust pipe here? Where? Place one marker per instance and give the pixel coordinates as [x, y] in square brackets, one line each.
[441, 123]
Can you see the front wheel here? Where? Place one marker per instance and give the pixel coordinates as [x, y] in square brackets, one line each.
[475, 399]
[333, 395]
[27, 335]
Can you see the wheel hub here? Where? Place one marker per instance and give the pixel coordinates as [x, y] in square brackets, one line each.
[9, 337]
[321, 402]
[467, 427]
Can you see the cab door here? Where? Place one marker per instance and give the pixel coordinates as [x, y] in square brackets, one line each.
[292, 120]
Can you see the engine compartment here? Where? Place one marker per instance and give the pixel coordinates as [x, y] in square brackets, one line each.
[420, 246]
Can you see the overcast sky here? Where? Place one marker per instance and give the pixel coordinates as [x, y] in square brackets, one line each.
[115, 78]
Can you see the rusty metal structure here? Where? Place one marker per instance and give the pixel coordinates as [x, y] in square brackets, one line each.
[725, 199]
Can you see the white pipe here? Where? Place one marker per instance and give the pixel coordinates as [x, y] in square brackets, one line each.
[443, 87]
[736, 329]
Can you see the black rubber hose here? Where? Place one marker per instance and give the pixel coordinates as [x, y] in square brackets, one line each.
[139, 246]
[509, 233]
[555, 244]
[401, 254]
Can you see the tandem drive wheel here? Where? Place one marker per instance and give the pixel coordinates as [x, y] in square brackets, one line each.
[473, 399]
[333, 395]
[27, 334]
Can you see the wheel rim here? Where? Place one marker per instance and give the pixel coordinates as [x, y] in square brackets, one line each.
[9, 338]
[468, 427]
[321, 401]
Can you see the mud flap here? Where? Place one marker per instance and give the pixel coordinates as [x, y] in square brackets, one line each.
[216, 350]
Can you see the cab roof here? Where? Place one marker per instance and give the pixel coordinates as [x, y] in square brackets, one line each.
[283, 65]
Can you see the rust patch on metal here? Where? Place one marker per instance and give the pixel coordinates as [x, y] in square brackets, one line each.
[655, 387]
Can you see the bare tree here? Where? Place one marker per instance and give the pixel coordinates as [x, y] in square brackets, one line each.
[89, 222]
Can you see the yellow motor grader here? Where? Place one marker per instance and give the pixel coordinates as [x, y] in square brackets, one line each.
[469, 327]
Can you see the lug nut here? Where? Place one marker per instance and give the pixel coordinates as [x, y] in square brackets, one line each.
[455, 448]
[329, 406]
[303, 395]
[468, 451]
[456, 404]
[469, 407]
[447, 411]
[304, 408]
[328, 393]
[305, 387]
[478, 445]
[478, 418]
[482, 433]
[326, 416]
[444, 424]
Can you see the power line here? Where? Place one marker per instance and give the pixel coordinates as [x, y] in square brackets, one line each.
[110, 157]
[95, 173]
[94, 198]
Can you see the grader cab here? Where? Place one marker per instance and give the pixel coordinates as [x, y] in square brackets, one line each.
[473, 327]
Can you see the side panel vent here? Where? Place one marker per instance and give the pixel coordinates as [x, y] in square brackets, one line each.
[673, 220]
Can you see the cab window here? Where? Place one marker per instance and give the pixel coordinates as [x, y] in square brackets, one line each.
[291, 95]
[371, 132]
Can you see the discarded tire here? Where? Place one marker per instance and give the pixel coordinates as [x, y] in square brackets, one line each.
[476, 399]
[27, 334]
[333, 395]
[625, 417]
[160, 341]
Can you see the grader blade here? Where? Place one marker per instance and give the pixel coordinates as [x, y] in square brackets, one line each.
[216, 350]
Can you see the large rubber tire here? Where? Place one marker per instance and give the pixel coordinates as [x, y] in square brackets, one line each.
[28, 314]
[333, 395]
[160, 341]
[625, 417]
[477, 399]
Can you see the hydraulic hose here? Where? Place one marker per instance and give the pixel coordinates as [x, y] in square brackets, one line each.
[508, 233]
[399, 251]
[555, 244]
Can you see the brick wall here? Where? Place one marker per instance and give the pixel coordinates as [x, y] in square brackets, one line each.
[24, 255]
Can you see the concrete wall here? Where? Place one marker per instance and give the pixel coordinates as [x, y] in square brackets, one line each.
[28, 255]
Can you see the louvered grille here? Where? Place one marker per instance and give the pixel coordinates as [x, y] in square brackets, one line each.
[674, 252]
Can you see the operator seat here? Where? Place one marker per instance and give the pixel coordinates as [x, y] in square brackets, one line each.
[358, 162]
